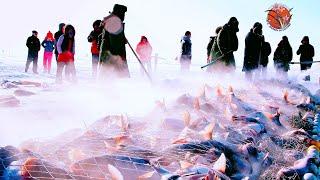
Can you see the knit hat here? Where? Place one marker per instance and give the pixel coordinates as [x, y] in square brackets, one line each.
[49, 36]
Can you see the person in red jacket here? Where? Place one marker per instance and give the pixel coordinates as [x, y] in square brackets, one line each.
[93, 39]
[66, 50]
[144, 51]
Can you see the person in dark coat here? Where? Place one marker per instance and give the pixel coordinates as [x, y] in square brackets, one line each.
[185, 58]
[252, 51]
[227, 43]
[113, 46]
[209, 47]
[265, 53]
[93, 39]
[33, 44]
[306, 52]
[56, 38]
[282, 57]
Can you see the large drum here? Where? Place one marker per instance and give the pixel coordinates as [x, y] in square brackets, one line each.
[113, 24]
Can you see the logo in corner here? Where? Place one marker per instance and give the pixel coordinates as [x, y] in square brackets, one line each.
[279, 17]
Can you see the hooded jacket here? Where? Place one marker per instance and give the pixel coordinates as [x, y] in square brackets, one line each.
[186, 46]
[93, 38]
[283, 55]
[48, 43]
[306, 52]
[252, 51]
[265, 52]
[225, 43]
[144, 51]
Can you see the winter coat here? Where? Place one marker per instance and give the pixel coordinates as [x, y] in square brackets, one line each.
[66, 49]
[93, 38]
[48, 45]
[115, 44]
[252, 51]
[186, 46]
[265, 52]
[306, 52]
[227, 42]
[283, 56]
[33, 44]
[56, 38]
[210, 44]
[144, 51]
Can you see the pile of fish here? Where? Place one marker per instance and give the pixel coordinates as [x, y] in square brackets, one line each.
[268, 131]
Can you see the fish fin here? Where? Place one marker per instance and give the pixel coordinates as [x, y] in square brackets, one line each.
[180, 141]
[115, 173]
[121, 139]
[234, 106]
[219, 91]
[186, 118]
[110, 148]
[308, 100]
[268, 115]
[230, 89]
[185, 165]
[208, 131]
[147, 175]
[124, 123]
[221, 164]
[286, 98]
[202, 92]
[266, 156]
[196, 104]
[228, 114]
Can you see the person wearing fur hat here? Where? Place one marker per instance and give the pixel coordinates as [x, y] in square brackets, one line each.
[226, 44]
[252, 51]
[48, 45]
[113, 45]
[33, 45]
[306, 52]
[282, 57]
[144, 51]
[93, 39]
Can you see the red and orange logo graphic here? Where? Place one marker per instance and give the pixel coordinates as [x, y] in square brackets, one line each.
[279, 17]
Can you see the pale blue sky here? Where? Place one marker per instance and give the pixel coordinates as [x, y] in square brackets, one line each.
[162, 21]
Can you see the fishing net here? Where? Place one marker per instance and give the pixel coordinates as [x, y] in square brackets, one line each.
[139, 146]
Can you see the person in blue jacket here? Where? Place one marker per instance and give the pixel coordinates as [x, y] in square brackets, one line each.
[48, 45]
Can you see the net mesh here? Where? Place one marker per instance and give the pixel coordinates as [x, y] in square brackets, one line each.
[137, 146]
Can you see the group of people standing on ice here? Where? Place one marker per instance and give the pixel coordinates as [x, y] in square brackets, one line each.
[108, 48]
[62, 44]
[256, 53]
